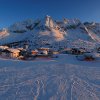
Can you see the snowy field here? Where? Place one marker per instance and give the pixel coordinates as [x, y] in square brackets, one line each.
[62, 78]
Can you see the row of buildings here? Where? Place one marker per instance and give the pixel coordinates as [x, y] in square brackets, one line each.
[23, 53]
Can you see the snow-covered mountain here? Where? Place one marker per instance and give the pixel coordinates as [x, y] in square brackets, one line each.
[47, 32]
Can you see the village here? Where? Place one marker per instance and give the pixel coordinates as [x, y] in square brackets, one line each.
[45, 53]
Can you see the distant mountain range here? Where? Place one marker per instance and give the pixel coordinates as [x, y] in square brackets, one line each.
[55, 34]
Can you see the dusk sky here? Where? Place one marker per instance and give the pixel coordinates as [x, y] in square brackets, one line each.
[12, 11]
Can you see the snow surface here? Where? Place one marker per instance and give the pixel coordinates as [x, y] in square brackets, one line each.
[62, 78]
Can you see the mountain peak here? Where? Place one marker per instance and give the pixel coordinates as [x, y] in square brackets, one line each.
[48, 16]
[49, 21]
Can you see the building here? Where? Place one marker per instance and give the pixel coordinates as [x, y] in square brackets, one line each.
[3, 47]
[98, 50]
[77, 51]
[11, 53]
[66, 51]
[34, 52]
[43, 51]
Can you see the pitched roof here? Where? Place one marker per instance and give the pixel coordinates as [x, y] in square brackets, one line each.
[13, 50]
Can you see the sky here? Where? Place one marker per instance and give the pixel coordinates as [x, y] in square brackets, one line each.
[12, 11]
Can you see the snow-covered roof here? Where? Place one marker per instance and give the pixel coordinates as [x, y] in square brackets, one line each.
[43, 48]
[34, 51]
[20, 48]
[13, 50]
[4, 47]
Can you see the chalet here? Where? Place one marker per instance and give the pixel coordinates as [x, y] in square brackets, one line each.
[66, 51]
[43, 51]
[77, 51]
[3, 47]
[34, 52]
[12, 53]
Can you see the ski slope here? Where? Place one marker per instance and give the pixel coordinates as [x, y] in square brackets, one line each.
[92, 35]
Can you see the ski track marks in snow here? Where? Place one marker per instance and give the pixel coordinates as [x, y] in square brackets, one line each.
[49, 82]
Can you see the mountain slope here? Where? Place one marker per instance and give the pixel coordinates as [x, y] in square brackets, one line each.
[47, 32]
